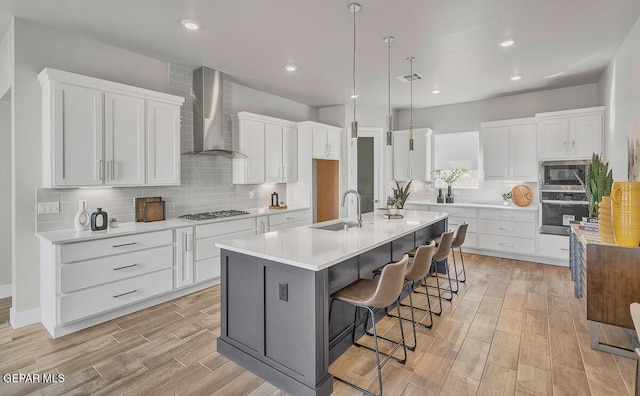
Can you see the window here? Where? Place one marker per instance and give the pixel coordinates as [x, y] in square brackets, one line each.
[457, 150]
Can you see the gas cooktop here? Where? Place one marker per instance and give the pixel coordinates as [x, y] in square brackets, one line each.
[212, 215]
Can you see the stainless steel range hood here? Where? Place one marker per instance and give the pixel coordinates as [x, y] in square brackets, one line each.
[208, 132]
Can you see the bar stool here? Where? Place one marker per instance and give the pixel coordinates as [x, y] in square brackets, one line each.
[376, 293]
[444, 247]
[458, 241]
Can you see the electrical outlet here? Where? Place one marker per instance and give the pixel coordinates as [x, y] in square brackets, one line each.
[252, 194]
[283, 291]
[48, 207]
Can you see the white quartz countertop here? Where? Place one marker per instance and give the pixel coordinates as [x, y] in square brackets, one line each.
[487, 205]
[315, 249]
[71, 235]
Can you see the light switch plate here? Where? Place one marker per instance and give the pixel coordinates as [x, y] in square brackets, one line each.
[283, 291]
[48, 207]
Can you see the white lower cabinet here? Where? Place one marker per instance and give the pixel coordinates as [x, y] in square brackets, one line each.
[184, 257]
[553, 246]
[282, 221]
[457, 216]
[507, 231]
[207, 257]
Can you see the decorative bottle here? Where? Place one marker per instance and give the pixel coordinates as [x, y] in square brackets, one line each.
[99, 220]
[82, 219]
[449, 198]
[440, 198]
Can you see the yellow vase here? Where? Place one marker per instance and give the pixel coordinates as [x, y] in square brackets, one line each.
[604, 221]
[625, 213]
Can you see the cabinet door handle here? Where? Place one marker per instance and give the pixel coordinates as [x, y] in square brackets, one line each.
[124, 294]
[506, 244]
[112, 170]
[573, 147]
[125, 267]
[125, 244]
[505, 229]
[99, 169]
[565, 147]
[328, 150]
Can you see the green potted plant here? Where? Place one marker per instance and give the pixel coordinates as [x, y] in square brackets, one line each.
[598, 183]
[400, 194]
[506, 197]
[449, 176]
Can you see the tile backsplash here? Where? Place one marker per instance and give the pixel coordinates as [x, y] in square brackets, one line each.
[206, 181]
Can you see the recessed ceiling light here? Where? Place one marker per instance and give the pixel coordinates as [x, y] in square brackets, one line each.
[507, 43]
[516, 77]
[555, 75]
[291, 68]
[190, 24]
[435, 91]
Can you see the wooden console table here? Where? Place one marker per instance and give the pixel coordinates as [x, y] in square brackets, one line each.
[611, 283]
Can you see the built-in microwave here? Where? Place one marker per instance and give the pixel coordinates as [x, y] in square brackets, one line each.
[563, 175]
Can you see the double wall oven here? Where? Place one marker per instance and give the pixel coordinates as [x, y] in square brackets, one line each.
[562, 195]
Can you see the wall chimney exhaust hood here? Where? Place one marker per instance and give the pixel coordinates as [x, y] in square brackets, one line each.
[208, 132]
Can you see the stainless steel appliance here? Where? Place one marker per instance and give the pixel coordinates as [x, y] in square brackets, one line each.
[558, 208]
[212, 215]
[563, 175]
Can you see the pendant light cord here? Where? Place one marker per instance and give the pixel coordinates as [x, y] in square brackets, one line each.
[389, 77]
[354, 65]
[411, 88]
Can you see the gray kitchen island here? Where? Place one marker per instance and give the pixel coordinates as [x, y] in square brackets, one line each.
[275, 290]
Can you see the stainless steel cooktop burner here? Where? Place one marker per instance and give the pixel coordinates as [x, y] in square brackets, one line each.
[212, 215]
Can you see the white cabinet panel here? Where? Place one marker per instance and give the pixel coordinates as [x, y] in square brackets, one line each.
[570, 134]
[411, 165]
[184, 257]
[104, 247]
[72, 136]
[124, 140]
[281, 153]
[163, 144]
[249, 139]
[554, 246]
[509, 150]
[506, 244]
[326, 144]
[290, 154]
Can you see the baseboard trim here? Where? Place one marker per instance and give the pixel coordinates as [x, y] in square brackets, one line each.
[5, 291]
[23, 318]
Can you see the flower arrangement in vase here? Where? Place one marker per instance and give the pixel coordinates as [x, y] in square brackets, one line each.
[506, 197]
[449, 176]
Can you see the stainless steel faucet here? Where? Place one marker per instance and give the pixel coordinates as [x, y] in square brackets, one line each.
[357, 194]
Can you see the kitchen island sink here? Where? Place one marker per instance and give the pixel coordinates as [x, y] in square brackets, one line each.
[275, 292]
[337, 226]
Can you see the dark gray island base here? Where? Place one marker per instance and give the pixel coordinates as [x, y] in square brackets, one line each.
[275, 316]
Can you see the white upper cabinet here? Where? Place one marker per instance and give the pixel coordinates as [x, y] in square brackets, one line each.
[124, 140]
[575, 134]
[271, 149]
[94, 133]
[163, 143]
[281, 153]
[325, 141]
[412, 165]
[509, 150]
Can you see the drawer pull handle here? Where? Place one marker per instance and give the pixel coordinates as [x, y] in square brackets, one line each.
[125, 267]
[565, 249]
[125, 244]
[292, 217]
[506, 244]
[124, 294]
[505, 229]
[509, 216]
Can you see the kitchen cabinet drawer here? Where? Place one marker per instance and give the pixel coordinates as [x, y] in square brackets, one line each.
[206, 247]
[289, 217]
[455, 221]
[554, 246]
[94, 272]
[208, 269]
[225, 227]
[289, 225]
[99, 299]
[109, 246]
[458, 211]
[507, 228]
[506, 244]
[507, 214]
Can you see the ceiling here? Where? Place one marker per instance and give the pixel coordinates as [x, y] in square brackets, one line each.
[455, 42]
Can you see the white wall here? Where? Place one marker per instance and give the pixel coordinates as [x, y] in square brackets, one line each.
[620, 93]
[5, 193]
[468, 116]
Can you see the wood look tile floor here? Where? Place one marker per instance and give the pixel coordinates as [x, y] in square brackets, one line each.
[514, 328]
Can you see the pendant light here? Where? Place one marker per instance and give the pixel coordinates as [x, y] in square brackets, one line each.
[354, 7]
[389, 40]
[411, 59]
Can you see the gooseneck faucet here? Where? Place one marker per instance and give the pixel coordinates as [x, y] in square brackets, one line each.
[359, 198]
